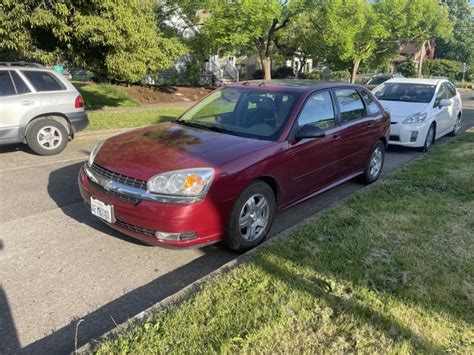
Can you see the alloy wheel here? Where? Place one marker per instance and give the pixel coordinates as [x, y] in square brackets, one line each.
[49, 137]
[254, 217]
[376, 162]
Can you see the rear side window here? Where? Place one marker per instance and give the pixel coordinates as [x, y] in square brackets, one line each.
[20, 85]
[43, 81]
[318, 111]
[370, 105]
[6, 84]
[350, 104]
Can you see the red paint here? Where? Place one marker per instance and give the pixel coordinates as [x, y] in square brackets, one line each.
[299, 169]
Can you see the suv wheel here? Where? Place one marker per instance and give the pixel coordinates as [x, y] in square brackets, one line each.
[251, 217]
[46, 137]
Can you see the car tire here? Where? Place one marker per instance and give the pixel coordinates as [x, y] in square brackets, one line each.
[251, 217]
[457, 126]
[374, 166]
[430, 138]
[46, 137]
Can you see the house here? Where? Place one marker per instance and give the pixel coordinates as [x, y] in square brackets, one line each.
[414, 52]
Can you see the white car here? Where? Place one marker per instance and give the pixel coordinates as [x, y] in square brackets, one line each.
[422, 110]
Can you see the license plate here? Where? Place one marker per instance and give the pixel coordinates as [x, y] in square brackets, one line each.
[102, 210]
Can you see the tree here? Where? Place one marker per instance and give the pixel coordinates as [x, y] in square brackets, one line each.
[461, 46]
[116, 39]
[248, 24]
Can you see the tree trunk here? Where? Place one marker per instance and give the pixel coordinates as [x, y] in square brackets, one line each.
[266, 67]
[420, 60]
[355, 68]
[301, 68]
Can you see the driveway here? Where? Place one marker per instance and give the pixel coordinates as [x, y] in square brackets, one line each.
[62, 271]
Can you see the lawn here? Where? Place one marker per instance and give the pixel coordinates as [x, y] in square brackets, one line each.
[98, 96]
[391, 269]
[131, 118]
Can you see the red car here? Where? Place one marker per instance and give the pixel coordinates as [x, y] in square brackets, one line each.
[223, 169]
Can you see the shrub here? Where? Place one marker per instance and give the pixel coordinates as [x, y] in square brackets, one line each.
[314, 75]
[284, 72]
[340, 75]
[407, 69]
[258, 74]
[443, 68]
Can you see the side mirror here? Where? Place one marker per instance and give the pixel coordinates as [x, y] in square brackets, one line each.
[309, 131]
[445, 103]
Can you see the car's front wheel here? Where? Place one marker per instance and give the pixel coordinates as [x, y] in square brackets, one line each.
[46, 137]
[430, 138]
[374, 166]
[251, 218]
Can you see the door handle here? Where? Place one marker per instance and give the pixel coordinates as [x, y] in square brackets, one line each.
[370, 124]
[336, 138]
[27, 102]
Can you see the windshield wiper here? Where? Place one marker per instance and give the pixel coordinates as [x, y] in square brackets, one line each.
[199, 125]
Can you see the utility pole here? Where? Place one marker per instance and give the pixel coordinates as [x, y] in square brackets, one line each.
[463, 73]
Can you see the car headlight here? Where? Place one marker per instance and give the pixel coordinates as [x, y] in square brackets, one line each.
[415, 118]
[187, 182]
[94, 153]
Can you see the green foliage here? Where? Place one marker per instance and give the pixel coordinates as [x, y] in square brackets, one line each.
[98, 96]
[442, 68]
[461, 46]
[116, 39]
[407, 69]
[340, 75]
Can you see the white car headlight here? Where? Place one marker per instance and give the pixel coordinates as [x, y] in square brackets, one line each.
[94, 153]
[187, 182]
[415, 118]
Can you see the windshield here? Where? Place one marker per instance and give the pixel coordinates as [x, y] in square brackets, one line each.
[244, 112]
[405, 92]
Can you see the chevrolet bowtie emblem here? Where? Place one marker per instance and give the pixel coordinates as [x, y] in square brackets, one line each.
[108, 185]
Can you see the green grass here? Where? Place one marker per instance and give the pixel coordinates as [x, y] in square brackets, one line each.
[131, 118]
[98, 96]
[389, 270]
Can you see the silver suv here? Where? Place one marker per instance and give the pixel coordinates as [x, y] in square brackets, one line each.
[38, 107]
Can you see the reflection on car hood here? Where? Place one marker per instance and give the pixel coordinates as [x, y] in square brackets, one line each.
[401, 109]
[145, 152]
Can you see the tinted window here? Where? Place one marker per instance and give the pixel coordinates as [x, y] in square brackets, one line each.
[318, 111]
[441, 94]
[350, 104]
[376, 80]
[450, 89]
[370, 105]
[6, 85]
[43, 81]
[405, 92]
[20, 85]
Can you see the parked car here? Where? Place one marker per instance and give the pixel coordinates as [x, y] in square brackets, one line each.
[38, 107]
[378, 79]
[223, 169]
[422, 110]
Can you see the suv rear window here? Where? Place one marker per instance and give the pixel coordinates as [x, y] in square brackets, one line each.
[43, 81]
[6, 85]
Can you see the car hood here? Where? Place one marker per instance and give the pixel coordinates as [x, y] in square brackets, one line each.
[145, 152]
[400, 110]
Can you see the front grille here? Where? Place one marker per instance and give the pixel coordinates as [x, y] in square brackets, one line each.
[394, 138]
[131, 227]
[123, 197]
[126, 180]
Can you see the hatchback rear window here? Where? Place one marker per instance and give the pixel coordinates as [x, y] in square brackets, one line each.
[43, 81]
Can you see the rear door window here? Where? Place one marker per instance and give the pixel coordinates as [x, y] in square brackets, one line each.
[43, 81]
[20, 85]
[6, 84]
[350, 105]
[370, 105]
[318, 111]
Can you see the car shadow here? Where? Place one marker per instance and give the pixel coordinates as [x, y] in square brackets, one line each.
[15, 147]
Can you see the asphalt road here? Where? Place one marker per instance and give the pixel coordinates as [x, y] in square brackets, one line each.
[62, 270]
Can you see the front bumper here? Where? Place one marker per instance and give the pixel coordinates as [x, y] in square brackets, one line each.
[141, 218]
[79, 121]
[408, 135]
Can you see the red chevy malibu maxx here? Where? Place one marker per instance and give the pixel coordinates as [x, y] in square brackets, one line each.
[223, 169]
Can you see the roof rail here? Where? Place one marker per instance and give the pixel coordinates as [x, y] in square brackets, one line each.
[21, 64]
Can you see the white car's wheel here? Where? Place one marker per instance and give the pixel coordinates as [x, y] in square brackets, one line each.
[457, 125]
[430, 138]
